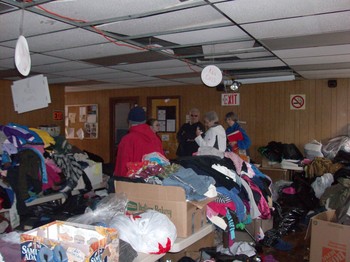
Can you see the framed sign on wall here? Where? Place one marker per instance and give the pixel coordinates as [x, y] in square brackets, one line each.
[81, 121]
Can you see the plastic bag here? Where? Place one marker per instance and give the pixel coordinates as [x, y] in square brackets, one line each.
[313, 149]
[335, 144]
[149, 232]
[156, 158]
[110, 206]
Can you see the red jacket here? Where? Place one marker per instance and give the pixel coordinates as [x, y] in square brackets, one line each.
[139, 141]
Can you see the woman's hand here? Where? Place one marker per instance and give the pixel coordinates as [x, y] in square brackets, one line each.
[233, 143]
[198, 131]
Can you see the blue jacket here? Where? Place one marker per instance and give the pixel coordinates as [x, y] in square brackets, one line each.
[242, 144]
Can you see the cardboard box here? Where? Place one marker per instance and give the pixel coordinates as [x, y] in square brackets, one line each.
[329, 240]
[188, 217]
[65, 241]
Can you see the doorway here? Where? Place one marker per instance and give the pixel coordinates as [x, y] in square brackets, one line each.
[119, 109]
[166, 109]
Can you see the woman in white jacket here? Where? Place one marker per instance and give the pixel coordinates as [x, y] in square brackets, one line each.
[215, 136]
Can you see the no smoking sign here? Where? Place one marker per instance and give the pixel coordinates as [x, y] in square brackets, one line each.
[297, 102]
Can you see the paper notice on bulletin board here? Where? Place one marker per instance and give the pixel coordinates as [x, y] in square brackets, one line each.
[82, 121]
[170, 126]
[161, 115]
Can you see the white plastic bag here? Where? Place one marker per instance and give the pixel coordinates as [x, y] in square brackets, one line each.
[313, 149]
[335, 144]
[150, 232]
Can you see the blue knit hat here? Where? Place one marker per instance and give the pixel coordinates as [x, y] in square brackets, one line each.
[137, 115]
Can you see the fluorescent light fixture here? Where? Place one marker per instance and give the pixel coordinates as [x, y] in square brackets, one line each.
[266, 79]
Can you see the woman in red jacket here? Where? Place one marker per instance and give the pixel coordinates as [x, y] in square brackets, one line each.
[140, 140]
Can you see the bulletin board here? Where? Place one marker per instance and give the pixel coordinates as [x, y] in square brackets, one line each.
[167, 111]
[81, 121]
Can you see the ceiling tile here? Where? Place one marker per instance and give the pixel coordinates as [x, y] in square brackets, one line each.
[242, 11]
[58, 67]
[127, 58]
[318, 59]
[325, 74]
[173, 70]
[299, 26]
[206, 35]
[90, 72]
[6, 52]
[93, 51]
[227, 47]
[64, 80]
[326, 39]
[313, 51]
[92, 10]
[33, 24]
[117, 75]
[53, 41]
[321, 66]
[150, 65]
[184, 19]
[8, 63]
[251, 64]
[39, 59]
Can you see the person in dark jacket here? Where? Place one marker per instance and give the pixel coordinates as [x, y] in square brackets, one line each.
[187, 133]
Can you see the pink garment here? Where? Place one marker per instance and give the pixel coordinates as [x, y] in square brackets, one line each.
[210, 212]
[238, 163]
[220, 208]
[53, 176]
[40, 148]
[289, 190]
[263, 206]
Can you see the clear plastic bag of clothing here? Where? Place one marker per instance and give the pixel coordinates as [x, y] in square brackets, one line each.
[102, 214]
[335, 144]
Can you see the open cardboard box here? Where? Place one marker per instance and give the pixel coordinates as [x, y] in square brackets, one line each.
[329, 240]
[188, 217]
[61, 240]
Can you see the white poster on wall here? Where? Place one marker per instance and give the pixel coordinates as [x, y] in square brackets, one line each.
[30, 94]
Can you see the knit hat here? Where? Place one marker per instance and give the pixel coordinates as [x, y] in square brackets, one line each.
[137, 115]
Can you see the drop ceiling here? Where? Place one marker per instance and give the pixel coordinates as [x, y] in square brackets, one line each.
[90, 44]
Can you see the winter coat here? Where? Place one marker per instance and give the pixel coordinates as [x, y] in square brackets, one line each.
[214, 135]
[242, 144]
[139, 141]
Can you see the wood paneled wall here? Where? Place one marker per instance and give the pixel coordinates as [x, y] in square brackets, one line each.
[34, 118]
[265, 108]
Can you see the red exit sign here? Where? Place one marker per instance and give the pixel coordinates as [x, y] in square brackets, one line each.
[57, 115]
[230, 99]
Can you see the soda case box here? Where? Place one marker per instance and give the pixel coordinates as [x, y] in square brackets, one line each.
[65, 241]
